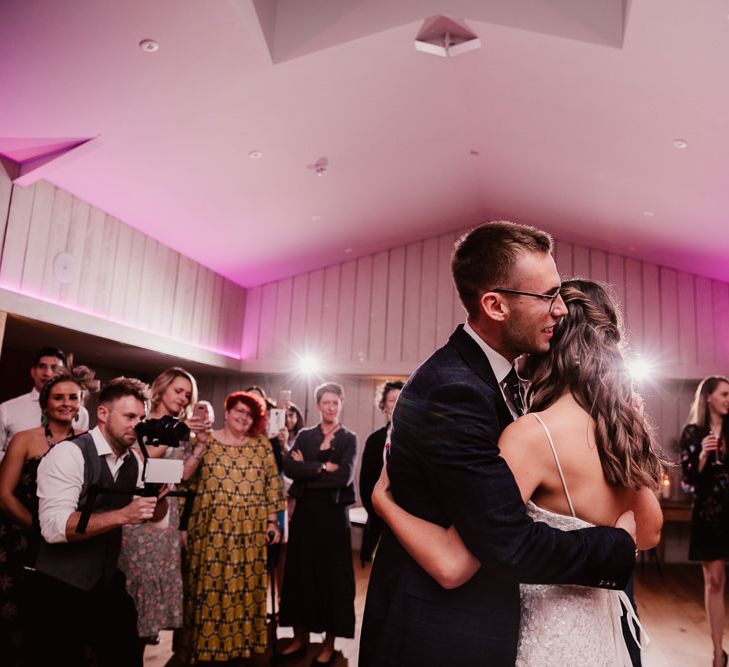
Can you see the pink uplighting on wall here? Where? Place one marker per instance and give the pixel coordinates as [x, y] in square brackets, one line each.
[231, 354]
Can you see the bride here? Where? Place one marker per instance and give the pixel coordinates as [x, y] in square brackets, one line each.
[583, 456]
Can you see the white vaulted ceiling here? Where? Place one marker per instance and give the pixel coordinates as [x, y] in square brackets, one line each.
[566, 117]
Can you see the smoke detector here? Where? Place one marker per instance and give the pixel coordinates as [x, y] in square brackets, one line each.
[446, 37]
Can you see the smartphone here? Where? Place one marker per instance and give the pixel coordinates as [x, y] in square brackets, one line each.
[200, 411]
[276, 421]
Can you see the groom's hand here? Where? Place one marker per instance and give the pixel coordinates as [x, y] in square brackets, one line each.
[626, 521]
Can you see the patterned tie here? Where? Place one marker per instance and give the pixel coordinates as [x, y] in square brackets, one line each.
[512, 387]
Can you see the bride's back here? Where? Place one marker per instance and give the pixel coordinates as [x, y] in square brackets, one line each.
[573, 433]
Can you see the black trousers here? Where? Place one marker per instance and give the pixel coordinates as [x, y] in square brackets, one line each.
[67, 625]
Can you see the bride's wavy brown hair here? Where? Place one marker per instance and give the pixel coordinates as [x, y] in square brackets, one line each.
[586, 356]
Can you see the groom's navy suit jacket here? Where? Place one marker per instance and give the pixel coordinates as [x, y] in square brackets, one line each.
[445, 467]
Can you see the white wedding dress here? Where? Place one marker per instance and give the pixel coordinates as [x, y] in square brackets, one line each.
[564, 625]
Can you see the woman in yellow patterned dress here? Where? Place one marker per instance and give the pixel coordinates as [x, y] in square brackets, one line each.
[233, 519]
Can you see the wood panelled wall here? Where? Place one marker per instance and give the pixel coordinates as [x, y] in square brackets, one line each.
[397, 306]
[119, 274]
[382, 314]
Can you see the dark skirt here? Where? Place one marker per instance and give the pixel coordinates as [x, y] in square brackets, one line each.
[318, 586]
[709, 537]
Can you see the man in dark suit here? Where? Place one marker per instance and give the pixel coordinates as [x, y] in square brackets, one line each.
[444, 466]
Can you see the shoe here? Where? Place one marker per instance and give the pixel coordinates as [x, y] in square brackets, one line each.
[298, 653]
[317, 663]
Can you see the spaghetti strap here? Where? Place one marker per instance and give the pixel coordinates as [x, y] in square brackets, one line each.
[556, 460]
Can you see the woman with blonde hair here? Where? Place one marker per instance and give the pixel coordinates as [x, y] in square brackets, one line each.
[583, 456]
[705, 469]
[150, 555]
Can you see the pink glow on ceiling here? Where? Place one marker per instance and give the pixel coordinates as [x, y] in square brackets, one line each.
[23, 150]
[573, 107]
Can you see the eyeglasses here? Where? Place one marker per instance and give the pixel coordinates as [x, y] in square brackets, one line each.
[551, 298]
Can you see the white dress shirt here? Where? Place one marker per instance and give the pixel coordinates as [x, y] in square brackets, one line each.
[60, 478]
[24, 412]
[500, 365]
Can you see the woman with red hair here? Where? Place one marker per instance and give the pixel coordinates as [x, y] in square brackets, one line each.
[233, 519]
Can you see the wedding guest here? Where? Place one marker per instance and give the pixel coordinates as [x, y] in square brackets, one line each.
[318, 588]
[372, 458]
[59, 400]
[705, 468]
[260, 392]
[282, 445]
[79, 595]
[150, 556]
[23, 412]
[195, 451]
[233, 519]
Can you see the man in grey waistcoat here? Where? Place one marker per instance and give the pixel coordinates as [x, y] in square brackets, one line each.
[80, 594]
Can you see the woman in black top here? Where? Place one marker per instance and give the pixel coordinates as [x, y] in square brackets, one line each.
[705, 469]
[318, 586]
[60, 400]
[372, 458]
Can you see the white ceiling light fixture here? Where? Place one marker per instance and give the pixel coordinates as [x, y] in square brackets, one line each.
[149, 45]
[446, 37]
[680, 143]
[255, 155]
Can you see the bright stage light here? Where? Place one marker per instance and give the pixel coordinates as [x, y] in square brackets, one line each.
[309, 365]
[640, 369]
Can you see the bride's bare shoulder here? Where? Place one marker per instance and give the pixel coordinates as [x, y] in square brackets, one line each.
[521, 433]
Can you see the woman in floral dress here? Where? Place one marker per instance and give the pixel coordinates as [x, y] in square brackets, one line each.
[239, 493]
[150, 556]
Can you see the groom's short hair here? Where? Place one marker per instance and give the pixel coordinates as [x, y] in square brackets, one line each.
[483, 258]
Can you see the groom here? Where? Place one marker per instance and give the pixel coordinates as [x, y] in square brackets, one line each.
[445, 467]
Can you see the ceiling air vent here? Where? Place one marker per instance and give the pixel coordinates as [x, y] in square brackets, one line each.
[446, 37]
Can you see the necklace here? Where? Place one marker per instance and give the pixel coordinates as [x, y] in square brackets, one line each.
[51, 441]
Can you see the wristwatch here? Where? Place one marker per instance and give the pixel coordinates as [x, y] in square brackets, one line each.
[323, 467]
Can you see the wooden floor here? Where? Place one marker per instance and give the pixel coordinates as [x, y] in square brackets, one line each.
[670, 605]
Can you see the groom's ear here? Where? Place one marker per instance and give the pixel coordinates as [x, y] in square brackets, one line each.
[494, 307]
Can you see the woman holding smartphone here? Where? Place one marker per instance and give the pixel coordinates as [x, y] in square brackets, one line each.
[150, 555]
[706, 473]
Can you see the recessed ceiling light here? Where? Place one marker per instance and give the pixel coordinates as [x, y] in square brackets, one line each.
[648, 214]
[680, 143]
[255, 155]
[348, 250]
[316, 218]
[149, 45]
